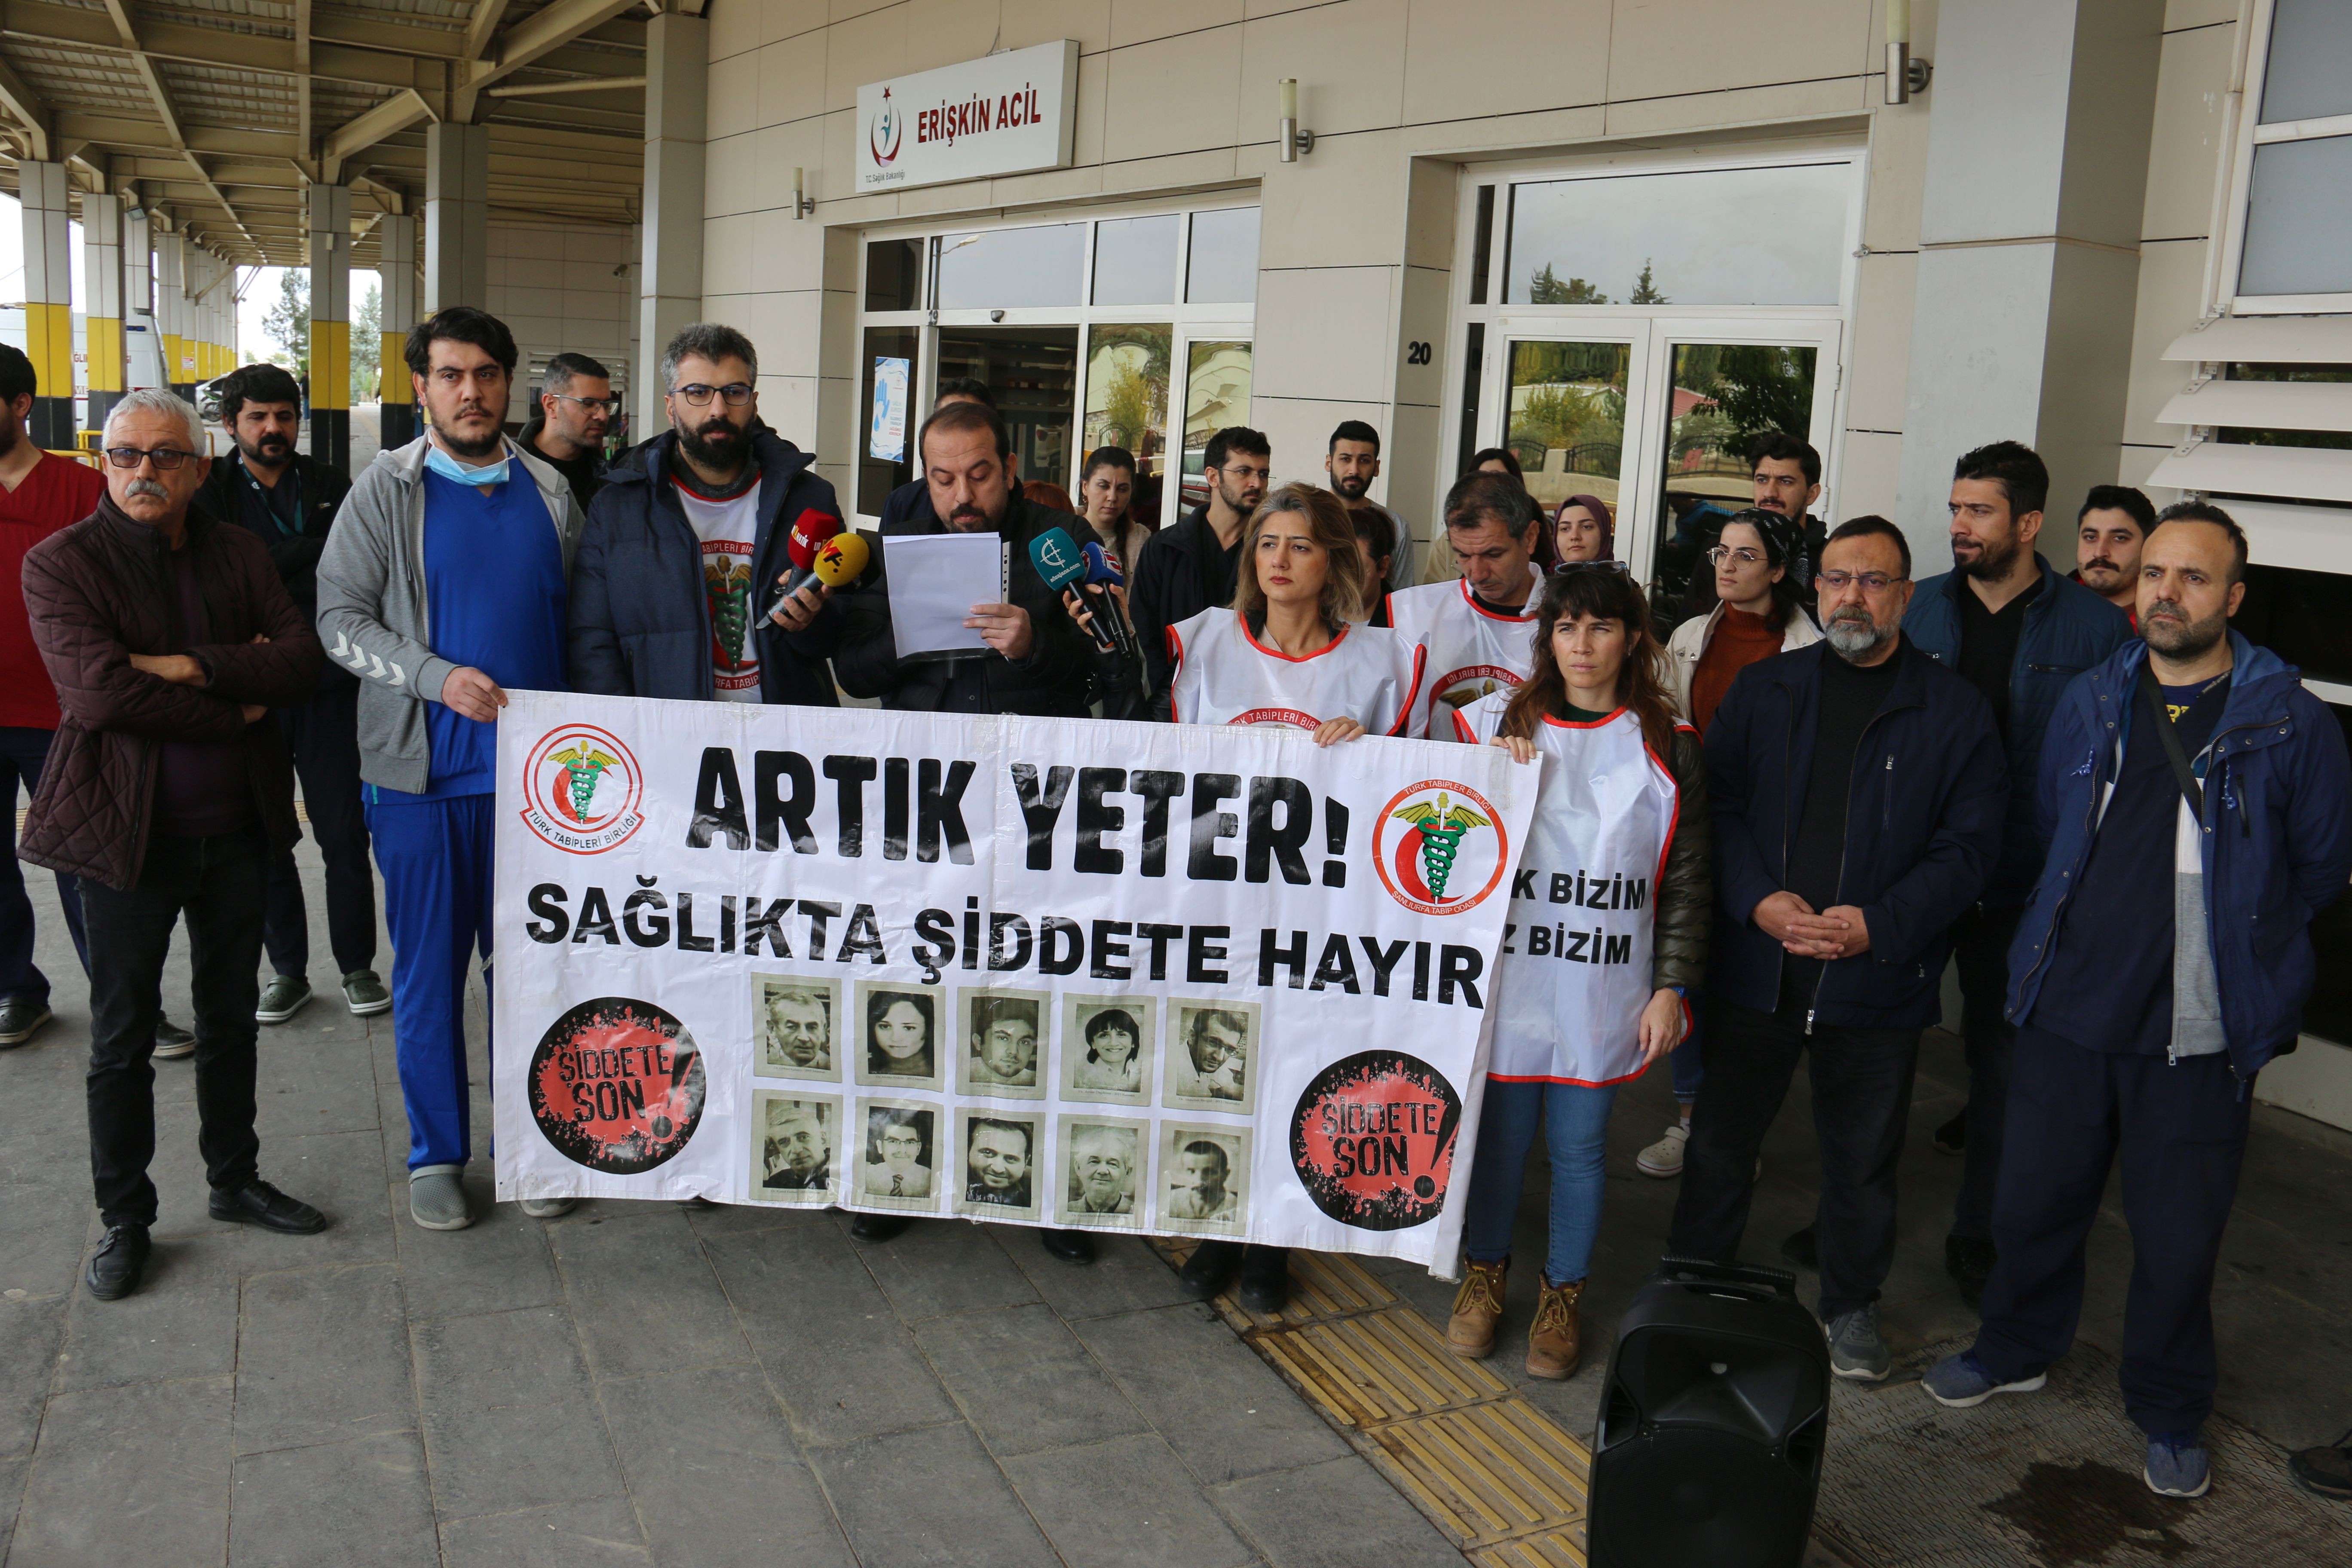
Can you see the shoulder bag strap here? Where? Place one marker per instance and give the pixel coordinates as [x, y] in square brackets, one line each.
[2165, 733]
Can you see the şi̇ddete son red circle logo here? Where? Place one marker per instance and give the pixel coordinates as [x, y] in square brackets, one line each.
[581, 790]
[1373, 1140]
[616, 1085]
[1440, 847]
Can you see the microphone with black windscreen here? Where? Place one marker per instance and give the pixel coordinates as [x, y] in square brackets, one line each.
[1101, 577]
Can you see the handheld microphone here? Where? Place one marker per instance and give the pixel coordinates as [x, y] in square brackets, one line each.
[1102, 575]
[810, 532]
[1060, 563]
[841, 560]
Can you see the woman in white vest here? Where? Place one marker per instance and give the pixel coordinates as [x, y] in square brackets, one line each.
[1290, 651]
[1601, 955]
[1757, 614]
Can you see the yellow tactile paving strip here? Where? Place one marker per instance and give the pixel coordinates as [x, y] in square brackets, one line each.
[1502, 1479]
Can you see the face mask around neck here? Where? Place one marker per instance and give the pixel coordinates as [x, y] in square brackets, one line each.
[450, 467]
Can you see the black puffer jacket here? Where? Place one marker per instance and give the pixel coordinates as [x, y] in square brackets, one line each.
[1685, 906]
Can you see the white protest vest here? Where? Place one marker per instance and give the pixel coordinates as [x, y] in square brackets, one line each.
[1472, 651]
[1225, 676]
[1575, 972]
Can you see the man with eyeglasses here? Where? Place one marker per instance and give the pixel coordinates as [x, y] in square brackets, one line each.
[170, 639]
[1857, 787]
[686, 544]
[1193, 566]
[572, 414]
[444, 584]
[289, 501]
[2019, 631]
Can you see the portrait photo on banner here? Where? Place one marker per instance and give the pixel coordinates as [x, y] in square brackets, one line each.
[898, 1163]
[794, 1019]
[793, 1140]
[1103, 1176]
[1003, 1048]
[900, 1028]
[1203, 1179]
[1109, 1046]
[1211, 1057]
[1001, 1154]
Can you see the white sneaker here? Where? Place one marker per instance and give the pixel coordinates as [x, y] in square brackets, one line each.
[1663, 1159]
[548, 1208]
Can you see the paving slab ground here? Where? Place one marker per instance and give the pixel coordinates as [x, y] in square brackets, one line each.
[640, 1383]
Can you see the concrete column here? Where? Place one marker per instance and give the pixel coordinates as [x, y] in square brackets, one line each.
[143, 342]
[456, 215]
[2038, 135]
[41, 188]
[331, 324]
[396, 271]
[171, 306]
[202, 273]
[669, 277]
[102, 281]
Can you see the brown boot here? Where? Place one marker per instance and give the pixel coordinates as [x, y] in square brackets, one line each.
[1477, 1308]
[1554, 1341]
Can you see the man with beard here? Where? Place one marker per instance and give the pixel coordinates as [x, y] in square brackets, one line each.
[1476, 628]
[289, 501]
[567, 428]
[2111, 528]
[39, 494]
[799, 1156]
[1857, 787]
[911, 498]
[1193, 566]
[463, 538]
[688, 542]
[2200, 795]
[1351, 463]
[1003, 1044]
[2019, 631]
[997, 1164]
[1785, 476]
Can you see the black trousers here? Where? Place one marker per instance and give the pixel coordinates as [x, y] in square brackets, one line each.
[217, 884]
[1980, 943]
[23, 753]
[1862, 1103]
[323, 736]
[2180, 1129]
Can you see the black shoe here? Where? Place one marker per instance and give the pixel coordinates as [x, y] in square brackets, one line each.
[1210, 1268]
[21, 1018]
[1800, 1250]
[1968, 1260]
[114, 1269]
[173, 1042]
[258, 1202]
[1265, 1279]
[2325, 1471]
[1952, 1137]
[1069, 1245]
[876, 1226]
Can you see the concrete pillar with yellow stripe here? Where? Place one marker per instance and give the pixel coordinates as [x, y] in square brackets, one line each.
[141, 330]
[171, 311]
[41, 189]
[101, 282]
[396, 269]
[331, 324]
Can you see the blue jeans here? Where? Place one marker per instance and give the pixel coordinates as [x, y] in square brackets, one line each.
[1576, 1124]
[435, 859]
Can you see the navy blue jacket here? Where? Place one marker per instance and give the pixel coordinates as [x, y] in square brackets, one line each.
[640, 617]
[1923, 829]
[2277, 839]
[2068, 628]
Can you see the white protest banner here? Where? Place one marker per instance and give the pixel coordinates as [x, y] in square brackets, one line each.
[1160, 979]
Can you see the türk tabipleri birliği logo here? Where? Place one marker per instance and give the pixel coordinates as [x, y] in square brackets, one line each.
[1440, 847]
[583, 791]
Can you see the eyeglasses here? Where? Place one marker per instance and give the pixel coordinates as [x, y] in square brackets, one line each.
[1873, 582]
[165, 458]
[609, 404]
[1723, 553]
[735, 392]
[1593, 566]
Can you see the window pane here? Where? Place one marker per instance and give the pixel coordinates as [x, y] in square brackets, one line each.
[894, 275]
[889, 354]
[2329, 1014]
[1216, 398]
[1567, 418]
[2298, 224]
[1717, 236]
[1006, 269]
[2310, 71]
[1135, 261]
[1224, 268]
[1127, 398]
[1033, 372]
[1724, 397]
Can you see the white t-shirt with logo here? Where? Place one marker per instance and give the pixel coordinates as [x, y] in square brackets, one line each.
[727, 529]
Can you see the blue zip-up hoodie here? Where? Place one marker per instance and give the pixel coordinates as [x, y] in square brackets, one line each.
[2277, 841]
[640, 623]
[1922, 830]
[2068, 628]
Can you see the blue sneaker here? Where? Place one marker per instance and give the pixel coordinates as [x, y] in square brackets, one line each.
[1962, 1383]
[2178, 1465]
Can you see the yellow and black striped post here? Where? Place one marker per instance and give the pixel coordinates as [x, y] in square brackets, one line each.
[41, 188]
[101, 275]
[396, 269]
[171, 311]
[331, 325]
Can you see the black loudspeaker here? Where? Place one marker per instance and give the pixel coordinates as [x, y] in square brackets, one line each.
[1709, 1447]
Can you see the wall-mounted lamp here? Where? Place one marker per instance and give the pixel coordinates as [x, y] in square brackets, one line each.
[1905, 75]
[1290, 141]
[803, 204]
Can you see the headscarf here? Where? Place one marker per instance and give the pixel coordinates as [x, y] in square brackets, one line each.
[1783, 537]
[1599, 508]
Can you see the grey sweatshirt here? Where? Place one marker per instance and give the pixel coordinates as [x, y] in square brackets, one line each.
[372, 617]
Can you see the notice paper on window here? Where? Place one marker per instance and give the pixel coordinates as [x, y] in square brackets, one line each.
[935, 580]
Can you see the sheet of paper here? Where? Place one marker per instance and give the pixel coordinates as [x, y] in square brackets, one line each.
[935, 580]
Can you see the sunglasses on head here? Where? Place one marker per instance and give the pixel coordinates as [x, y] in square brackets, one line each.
[1592, 566]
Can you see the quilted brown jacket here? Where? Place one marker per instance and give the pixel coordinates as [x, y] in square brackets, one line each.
[98, 593]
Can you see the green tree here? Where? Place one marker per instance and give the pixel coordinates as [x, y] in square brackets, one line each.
[367, 344]
[287, 322]
[1646, 288]
[1546, 289]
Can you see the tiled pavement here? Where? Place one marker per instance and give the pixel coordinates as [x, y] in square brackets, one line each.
[643, 1383]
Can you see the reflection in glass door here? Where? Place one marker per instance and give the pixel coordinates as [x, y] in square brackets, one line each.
[1566, 404]
[1216, 395]
[1127, 402]
[1718, 399]
[1033, 372]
